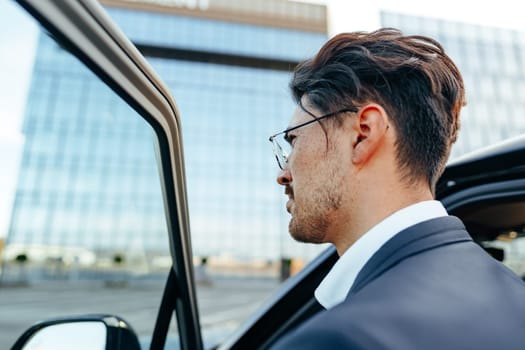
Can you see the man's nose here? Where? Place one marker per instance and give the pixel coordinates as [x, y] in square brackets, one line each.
[284, 177]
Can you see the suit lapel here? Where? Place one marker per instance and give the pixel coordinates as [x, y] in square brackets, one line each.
[413, 240]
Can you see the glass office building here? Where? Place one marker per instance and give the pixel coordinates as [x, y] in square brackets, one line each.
[88, 175]
[490, 60]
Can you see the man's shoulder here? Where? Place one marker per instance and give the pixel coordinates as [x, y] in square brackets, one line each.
[412, 241]
[425, 300]
[453, 273]
[407, 318]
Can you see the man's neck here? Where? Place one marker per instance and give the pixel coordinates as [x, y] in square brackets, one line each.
[377, 205]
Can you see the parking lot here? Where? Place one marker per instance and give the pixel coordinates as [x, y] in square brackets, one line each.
[224, 303]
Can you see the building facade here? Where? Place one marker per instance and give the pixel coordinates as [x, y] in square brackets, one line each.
[491, 61]
[88, 173]
[88, 177]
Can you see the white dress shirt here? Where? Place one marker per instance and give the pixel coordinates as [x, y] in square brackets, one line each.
[337, 283]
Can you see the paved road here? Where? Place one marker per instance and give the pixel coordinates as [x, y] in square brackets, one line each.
[223, 305]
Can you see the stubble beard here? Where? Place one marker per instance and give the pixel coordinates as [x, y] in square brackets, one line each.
[310, 222]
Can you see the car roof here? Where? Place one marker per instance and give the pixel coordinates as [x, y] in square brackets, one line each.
[501, 161]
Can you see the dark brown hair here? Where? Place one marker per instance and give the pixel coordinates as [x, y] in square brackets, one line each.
[417, 84]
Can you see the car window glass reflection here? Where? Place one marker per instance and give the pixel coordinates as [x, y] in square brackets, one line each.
[83, 228]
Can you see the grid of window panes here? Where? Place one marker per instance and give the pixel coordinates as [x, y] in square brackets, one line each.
[491, 61]
[228, 112]
[236, 206]
[88, 171]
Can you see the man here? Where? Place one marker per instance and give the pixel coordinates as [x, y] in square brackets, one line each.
[377, 115]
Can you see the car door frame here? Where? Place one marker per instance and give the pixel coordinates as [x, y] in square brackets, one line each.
[83, 28]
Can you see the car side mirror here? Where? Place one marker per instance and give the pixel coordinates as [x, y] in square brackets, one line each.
[91, 332]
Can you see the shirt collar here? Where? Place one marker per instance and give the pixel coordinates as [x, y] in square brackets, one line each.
[337, 283]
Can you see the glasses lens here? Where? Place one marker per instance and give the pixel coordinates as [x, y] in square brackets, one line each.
[281, 149]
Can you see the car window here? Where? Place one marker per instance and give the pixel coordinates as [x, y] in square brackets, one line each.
[78, 236]
[497, 224]
[503, 229]
[509, 247]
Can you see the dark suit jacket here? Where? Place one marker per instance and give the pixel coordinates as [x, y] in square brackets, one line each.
[429, 287]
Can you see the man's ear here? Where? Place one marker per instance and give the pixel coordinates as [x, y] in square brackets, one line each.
[370, 128]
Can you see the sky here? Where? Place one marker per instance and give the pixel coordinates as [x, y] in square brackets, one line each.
[17, 47]
[346, 15]
[18, 41]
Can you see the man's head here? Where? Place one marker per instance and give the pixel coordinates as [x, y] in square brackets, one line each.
[407, 94]
[411, 77]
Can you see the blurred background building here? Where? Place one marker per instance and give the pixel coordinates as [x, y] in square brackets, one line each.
[87, 177]
[492, 63]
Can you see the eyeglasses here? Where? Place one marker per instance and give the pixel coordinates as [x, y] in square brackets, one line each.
[282, 147]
